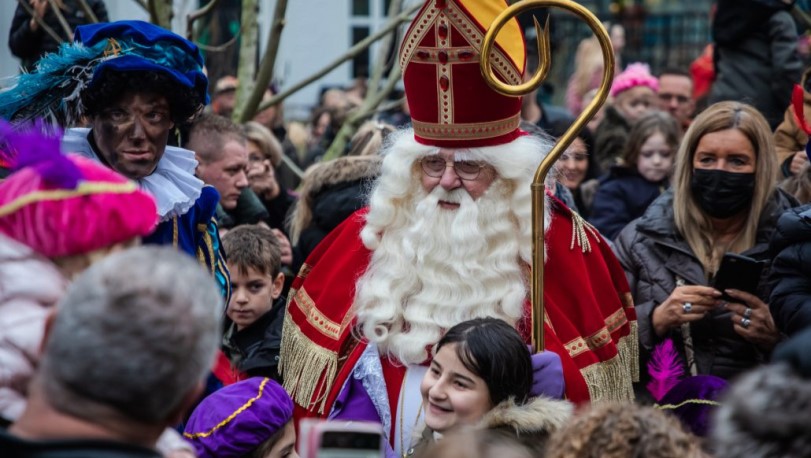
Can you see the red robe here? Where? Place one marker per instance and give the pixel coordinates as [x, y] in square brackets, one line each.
[589, 319]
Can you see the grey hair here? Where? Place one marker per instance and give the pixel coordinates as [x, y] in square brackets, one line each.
[136, 332]
[767, 413]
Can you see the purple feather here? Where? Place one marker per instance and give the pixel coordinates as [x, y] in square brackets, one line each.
[665, 369]
[37, 146]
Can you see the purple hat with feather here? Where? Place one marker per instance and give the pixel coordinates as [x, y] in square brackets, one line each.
[692, 400]
[235, 420]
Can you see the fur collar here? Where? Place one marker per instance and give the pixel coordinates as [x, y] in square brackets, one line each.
[341, 170]
[540, 414]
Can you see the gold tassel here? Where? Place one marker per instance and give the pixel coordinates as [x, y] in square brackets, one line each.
[580, 230]
[612, 380]
[302, 364]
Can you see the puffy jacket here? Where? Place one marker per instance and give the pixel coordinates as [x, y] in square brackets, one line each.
[790, 301]
[29, 287]
[622, 196]
[655, 256]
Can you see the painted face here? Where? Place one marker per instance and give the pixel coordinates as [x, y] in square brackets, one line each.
[131, 133]
[227, 173]
[450, 179]
[676, 96]
[635, 102]
[573, 164]
[728, 150]
[261, 175]
[655, 161]
[452, 395]
[252, 295]
[286, 446]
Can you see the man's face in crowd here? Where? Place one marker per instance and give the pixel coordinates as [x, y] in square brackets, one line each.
[676, 96]
[131, 133]
[452, 172]
[223, 104]
[228, 173]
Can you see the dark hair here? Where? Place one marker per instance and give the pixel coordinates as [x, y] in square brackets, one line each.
[559, 127]
[253, 246]
[184, 102]
[267, 445]
[493, 350]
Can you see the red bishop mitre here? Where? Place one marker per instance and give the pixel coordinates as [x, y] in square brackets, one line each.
[451, 104]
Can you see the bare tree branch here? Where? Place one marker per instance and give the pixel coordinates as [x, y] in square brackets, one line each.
[352, 52]
[61, 18]
[368, 108]
[51, 32]
[161, 13]
[246, 111]
[88, 11]
[385, 44]
[246, 69]
[195, 15]
[222, 47]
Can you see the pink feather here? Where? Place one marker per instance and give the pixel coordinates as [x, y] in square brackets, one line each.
[665, 369]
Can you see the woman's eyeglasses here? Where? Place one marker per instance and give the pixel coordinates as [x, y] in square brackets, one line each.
[434, 167]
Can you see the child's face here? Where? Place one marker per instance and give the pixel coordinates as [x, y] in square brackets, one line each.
[252, 295]
[285, 447]
[655, 160]
[635, 102]
[574, 164]
[451, 394]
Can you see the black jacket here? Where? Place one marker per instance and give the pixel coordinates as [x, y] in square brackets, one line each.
[790, 301]
[16, 447]
[623, 196]
[30, 45]
[654, 255]
[255, 349]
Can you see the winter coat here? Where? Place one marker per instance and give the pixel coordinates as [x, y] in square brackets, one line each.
[623, 196]
[255, 349]
[756, 58]
[30, 286]
[789, 138]
[30, 45]
[655, 257]
[330, 192]
[531, 423]
[610, 138]
[790, 301]
[249, 210]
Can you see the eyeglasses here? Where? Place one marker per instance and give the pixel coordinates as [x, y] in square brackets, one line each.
[668, 97]
[434, 167]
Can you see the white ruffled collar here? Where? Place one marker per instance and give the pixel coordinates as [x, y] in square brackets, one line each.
[173, 183]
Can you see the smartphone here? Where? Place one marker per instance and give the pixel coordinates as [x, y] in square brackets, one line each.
[738, 272]
[340, 439]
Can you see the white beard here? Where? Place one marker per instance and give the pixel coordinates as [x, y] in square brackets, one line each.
[433, 268]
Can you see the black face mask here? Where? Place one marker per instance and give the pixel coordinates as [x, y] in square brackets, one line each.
[722, 194]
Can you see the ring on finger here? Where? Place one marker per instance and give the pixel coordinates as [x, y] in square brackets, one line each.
[687, 307]
[745, 322]
[747, 313]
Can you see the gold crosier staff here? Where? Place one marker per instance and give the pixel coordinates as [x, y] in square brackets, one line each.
[563, 142]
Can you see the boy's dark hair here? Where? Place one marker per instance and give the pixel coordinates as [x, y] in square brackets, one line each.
[253, 246]
[493, 350]
[209, 133]
[184, 102]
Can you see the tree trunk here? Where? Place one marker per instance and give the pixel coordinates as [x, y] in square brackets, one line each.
[247, 56]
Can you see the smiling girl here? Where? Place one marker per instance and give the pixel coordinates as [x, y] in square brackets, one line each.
[481, 377]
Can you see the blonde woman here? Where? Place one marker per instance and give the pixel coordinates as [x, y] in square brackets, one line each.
[723, 199]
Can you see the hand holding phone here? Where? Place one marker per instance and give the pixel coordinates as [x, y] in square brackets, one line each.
[341, 439]
[738, 272]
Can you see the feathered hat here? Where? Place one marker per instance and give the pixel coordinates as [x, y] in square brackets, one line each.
[53, 91]
[450, 102]
[66, 205]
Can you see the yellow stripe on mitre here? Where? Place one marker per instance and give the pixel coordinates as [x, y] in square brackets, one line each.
[510, 38]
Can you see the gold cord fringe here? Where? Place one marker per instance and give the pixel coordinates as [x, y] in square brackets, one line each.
[612, 380]
[580, 229]
[306, 368]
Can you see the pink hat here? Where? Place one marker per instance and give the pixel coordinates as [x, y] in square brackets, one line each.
[636, 74]
[66, 205]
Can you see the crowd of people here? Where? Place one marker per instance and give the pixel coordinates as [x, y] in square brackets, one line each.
[175, 284]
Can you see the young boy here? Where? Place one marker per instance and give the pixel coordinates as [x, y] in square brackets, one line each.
[256, 311]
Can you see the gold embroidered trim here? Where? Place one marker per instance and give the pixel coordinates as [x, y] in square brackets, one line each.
[473, 35]
[455, 55]
[580, 230]
[302, 366]
[612, 380]
[84, 189]
[174, 231]
[304, 271]
[422, 26]
[231, 417]
[707, 402]
[600, 338]
[477, 130]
